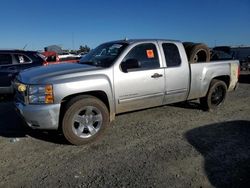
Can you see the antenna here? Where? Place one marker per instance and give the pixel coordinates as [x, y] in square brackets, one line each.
[25, 46]
[73, 41]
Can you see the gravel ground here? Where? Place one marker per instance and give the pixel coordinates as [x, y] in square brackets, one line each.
[171, 146]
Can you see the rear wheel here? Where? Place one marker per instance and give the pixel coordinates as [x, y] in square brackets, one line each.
[85, 119]
[215, 96]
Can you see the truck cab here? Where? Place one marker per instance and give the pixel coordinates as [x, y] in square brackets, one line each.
[160, 76]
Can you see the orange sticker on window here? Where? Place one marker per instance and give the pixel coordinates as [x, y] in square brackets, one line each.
[150, 54]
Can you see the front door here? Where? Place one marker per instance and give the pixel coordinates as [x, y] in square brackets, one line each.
[139, 79]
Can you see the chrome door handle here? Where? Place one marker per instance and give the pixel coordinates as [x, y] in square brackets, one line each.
[156, 75]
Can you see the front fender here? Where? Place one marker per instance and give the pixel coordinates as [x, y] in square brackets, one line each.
[84, 85]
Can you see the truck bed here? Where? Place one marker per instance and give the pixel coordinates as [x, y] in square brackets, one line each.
[201, 74]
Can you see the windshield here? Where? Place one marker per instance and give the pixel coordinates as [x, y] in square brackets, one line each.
[104, 55]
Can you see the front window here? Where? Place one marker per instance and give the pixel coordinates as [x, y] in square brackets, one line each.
[104, 55]
[141, 57]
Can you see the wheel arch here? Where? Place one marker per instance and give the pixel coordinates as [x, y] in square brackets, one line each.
[224, 78]
[207, 101]
[101, 95]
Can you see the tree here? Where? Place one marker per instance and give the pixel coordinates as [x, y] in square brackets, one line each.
[84, 49]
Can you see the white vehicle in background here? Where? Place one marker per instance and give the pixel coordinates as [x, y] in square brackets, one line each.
[67, 55]
[82, 54]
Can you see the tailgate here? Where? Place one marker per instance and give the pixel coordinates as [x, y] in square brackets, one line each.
[234, 75]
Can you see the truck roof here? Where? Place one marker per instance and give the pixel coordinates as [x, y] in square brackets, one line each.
[130, 41]
[16, 51]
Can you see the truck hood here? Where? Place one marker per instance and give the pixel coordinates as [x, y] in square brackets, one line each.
[39, 75]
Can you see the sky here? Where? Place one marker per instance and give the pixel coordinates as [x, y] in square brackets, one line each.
[39, 23]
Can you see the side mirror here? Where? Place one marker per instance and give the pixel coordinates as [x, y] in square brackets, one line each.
[130, 64]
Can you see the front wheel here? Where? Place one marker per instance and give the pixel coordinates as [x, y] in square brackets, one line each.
[215, 96]
[85, 119]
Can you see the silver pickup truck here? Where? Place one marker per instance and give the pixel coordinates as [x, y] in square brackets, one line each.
[82, 99]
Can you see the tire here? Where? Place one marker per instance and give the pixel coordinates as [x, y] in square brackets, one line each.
[84, 120]
[216, 95]
[198, 53]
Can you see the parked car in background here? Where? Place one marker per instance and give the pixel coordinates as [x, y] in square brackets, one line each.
[83, 54]
[241, 53]
[12, 62]
[220, 55]
[52, 57]
[67, 56]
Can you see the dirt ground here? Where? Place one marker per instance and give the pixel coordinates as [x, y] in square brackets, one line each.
[171, 146]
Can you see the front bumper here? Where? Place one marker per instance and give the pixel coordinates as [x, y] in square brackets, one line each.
[6, 90]
[40, 116]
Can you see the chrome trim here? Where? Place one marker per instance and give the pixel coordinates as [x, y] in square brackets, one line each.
[120, 101]
[172, 92]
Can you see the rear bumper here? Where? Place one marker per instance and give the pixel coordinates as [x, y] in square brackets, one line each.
[40, 116]
[236, 86]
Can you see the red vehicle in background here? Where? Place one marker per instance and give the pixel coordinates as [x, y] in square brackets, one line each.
[52, 57]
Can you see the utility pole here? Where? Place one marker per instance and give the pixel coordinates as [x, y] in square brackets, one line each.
[73, 41]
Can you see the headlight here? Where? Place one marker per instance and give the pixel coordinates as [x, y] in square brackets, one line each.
[21, 87]
[41, 94]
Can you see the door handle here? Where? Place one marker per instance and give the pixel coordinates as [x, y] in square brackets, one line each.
[156, 75]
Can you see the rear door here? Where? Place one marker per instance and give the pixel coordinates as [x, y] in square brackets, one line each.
[143, 86]
[177, 72]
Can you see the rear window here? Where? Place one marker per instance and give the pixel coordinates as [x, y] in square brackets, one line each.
[172, 55]
[20, 58]
[5, 59]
